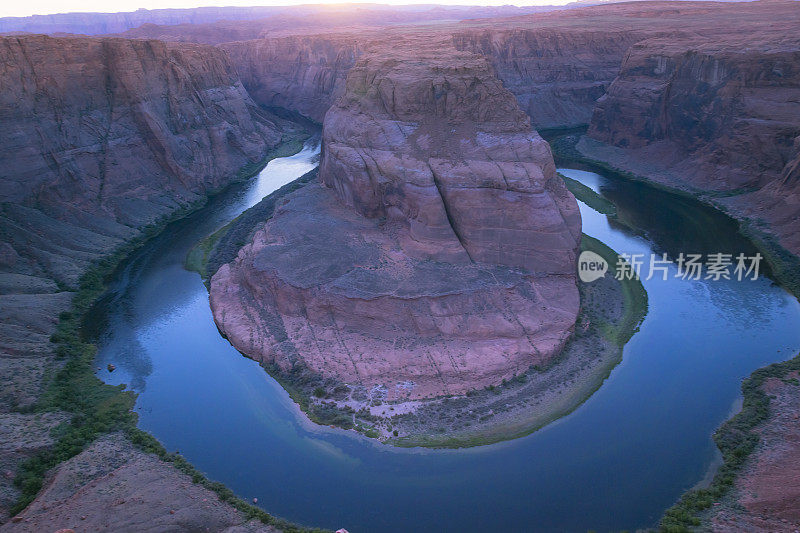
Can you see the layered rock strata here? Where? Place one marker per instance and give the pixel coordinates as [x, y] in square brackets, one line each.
[101, 138]
[718, 115]
[104, 136]
[556, 74]
[304, 74]
[436, 256]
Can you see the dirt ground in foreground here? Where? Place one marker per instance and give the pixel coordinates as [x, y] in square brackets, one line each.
[766, 496]
[112, 486]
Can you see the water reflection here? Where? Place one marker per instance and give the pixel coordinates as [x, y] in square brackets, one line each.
[119, 320]
[615, 463]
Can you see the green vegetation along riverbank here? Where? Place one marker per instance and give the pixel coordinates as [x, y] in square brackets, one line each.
[738, 438]
[589, 197]
[784, 265]
[611, 313]
[221, 247]
[96, 408]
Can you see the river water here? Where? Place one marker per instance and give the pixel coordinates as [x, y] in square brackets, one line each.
[616, 462]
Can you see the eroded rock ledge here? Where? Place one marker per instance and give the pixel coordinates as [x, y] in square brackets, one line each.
[718, 115]
[436, 256]
[101, 138]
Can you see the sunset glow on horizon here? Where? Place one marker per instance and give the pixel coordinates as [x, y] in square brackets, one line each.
[46, 7]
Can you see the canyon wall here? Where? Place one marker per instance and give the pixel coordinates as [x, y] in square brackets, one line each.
[304, 74]
[729, 103]
[101, 137]
[104, 136]
[556, 63]
[717, 115]
[556, 74]
[436, 256]
[559, 63]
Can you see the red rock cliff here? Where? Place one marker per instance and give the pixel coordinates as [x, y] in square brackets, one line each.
[447, 151]
[440, 256]
[301, 73]
[104, 136]
[715, 114]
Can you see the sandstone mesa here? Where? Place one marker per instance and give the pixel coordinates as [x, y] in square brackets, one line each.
[437, 258]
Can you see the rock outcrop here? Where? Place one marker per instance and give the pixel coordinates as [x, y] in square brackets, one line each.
[438, 257]
[304, 74]
[113, 486]
[556, 74]
[765, 494]
[442, 146]
[716, 115]
[101, 137]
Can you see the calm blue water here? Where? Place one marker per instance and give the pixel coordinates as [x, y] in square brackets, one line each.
[616, 462]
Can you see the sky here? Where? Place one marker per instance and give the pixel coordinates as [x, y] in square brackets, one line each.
[17, 8]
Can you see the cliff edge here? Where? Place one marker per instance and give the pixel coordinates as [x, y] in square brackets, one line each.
[436, 255]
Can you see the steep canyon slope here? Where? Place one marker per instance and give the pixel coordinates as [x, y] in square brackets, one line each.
[124, 133]
[436, 256]
[718, 116]
[301, 73]
[101, 138]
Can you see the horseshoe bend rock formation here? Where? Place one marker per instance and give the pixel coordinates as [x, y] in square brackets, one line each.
[437, 253]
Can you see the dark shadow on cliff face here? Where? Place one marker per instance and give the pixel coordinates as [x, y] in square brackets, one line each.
[675, 223]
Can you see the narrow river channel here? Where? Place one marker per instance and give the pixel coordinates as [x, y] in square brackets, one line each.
[617, 462]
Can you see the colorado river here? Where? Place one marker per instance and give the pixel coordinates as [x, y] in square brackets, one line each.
[617, 462]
